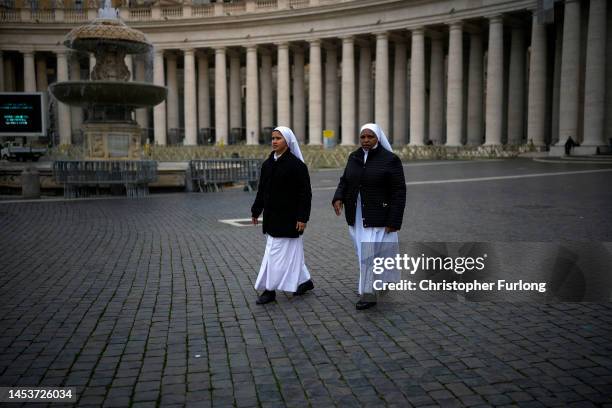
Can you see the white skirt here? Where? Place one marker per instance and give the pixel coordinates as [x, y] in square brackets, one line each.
[282, 267]
[361, 235]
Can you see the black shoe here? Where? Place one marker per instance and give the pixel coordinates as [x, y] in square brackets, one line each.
[362, 305]
[266, 297]
[304, 287]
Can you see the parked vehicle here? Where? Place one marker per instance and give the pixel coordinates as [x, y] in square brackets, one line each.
[15, 151]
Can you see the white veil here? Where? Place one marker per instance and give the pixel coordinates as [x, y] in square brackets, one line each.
[382, 138]
[291, 140]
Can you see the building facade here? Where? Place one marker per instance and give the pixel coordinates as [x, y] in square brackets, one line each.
[442, 72]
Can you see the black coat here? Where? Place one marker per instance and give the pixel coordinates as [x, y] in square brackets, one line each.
[284, 195]
[381, 184]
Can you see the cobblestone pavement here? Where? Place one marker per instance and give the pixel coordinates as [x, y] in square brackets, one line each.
[151, 303]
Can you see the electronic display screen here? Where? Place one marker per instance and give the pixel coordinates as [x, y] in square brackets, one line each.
[22, 114]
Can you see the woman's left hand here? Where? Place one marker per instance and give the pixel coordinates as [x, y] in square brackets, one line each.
[390, 229]
[300, 226]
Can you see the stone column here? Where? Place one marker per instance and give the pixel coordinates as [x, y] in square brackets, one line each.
[1, 72]
[42, 83]
[570, 73]
[454, 100]
[516, 87]
[331, 89]
[9, 75]
[29, 72]
[221, 119]
[536, 115]
[235, 94]
[283, 87]
[63, 111]
[267, 118]
[595, 78]
[299, 108]
[252, 97]
[365, 85]
[436, 91]
[417, 88]
[76, 112]
[475, 91]
[159, 111]
[381, 91]
[400, 76]
[203, 92]
[315, 108]
[556, 84]
[495, 82]
[172, 103]
[191, 131]
[92, 64]
[142, 117]
[608, 115]
[348, 92]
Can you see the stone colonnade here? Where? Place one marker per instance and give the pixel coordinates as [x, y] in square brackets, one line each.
[462, 83]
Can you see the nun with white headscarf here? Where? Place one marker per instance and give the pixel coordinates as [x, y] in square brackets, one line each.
[373, 191]
[284, 196]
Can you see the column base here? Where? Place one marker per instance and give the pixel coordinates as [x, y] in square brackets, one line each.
[559, 150]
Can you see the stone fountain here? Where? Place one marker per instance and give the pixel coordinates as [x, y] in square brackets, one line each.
[110, 131]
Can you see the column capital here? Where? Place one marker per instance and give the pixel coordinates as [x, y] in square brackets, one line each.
[283, 45]
[251, 47]
[362, 42]
[435, 35]
[472, 28]
[348, 39]
[495, 19]
[455, 25]
[420, 30]
[329, 44]
[63, 53]
[201, 53]
[188, 51]
[382, 35]
[315, 42]
[297, 48]
[514, 22]
[220, 50]
[400, 36]
[265, 50]
[233, 53]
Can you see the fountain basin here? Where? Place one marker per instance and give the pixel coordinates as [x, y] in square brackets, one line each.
[107, 32]
[129, 94]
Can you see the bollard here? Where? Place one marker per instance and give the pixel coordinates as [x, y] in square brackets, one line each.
[30, 183]
[189, 187]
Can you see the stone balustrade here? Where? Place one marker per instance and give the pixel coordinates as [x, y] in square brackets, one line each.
[25, 13]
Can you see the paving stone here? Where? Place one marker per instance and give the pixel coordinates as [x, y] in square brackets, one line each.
[122, 295]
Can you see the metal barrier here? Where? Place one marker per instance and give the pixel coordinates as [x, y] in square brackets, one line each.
[211, 174]
[78, 176]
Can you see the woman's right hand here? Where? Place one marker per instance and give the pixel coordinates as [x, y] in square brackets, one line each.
[338, 207]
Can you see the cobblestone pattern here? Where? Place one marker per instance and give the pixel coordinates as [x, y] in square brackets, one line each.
[151, 303]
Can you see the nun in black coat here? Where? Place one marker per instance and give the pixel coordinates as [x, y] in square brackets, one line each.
[284, 196]
[373, 191]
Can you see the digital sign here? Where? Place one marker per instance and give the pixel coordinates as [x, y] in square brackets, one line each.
[22, 114]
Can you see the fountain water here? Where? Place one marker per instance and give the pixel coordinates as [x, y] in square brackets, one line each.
[110, 99]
